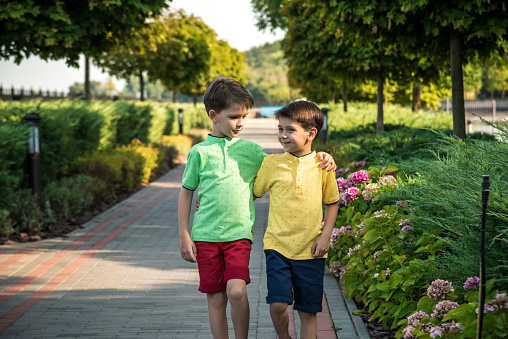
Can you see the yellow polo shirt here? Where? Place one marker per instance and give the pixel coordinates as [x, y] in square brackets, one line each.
[298, 187]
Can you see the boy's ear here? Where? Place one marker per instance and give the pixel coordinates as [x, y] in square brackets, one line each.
[312, 134]
[213, 115]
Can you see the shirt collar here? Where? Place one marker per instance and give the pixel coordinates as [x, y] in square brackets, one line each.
[306, 158]
[218, 140]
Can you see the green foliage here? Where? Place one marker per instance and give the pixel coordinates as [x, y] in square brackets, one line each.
[66, 29]
[13, 151]
[446, 195]
[24, 211]
[66, 199]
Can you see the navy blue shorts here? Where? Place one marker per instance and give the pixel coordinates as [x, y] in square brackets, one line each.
[298, 281]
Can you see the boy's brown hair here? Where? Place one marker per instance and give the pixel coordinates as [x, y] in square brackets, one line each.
[222, 93]
[306, 113]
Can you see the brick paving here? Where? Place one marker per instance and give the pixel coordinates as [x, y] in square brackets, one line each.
[121, 275]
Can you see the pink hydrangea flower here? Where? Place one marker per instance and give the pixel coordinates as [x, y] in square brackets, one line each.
[471, 283]
[415, 318]
[351, 193]
[436, 331]
[408, 332]
[401, 203]
[408, 228]
[359, 177]
[369, 191]
[439, 289]
[336, 233]
[343, 184]
[353, 250]
[442, 308]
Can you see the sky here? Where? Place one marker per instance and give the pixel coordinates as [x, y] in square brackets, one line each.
[232, 20]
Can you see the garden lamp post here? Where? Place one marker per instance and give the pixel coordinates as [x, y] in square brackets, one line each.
[180, 120]
[34, 150]
[324, 130]
[481, 296]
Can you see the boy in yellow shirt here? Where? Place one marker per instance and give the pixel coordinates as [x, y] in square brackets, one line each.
[295, 242]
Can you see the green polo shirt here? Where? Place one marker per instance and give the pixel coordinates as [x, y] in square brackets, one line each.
[224, 170]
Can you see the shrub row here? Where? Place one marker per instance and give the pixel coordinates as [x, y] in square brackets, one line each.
[71, 129]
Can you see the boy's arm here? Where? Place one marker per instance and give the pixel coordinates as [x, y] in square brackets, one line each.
[326, 160]
[187, 246]
[322, 244]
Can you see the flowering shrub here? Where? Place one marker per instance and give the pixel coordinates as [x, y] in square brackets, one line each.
[379, 257]
[449, 319]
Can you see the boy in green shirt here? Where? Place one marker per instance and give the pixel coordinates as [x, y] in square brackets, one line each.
[224, 168]
[295, 241]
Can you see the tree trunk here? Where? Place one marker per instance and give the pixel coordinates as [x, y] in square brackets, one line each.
[88, 92]
[417, 98]
[141, 87]
[344, 94]
[458, 110]
[380, 100]
[332, 96]
[175, 96]
[195, 99]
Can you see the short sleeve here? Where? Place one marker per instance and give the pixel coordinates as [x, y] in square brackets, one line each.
[190, 179]
[330, 188]
[261, 183]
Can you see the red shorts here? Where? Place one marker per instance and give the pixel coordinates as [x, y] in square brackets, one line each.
[219, 262]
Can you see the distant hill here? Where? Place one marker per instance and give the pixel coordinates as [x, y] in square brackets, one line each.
[267, 75]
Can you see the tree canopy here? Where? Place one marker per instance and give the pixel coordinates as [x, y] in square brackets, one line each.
[65, 29]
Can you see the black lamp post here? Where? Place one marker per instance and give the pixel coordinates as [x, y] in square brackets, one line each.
[324, 130]
[34, 150]
[180, 120]
[481, 297]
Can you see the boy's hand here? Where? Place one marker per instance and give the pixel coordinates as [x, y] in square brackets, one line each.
[320, 247]
[188, 249]
[327, 160]
[197, 204]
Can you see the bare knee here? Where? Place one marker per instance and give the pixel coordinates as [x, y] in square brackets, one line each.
[278, 308]
[236, 290]
[217, 300]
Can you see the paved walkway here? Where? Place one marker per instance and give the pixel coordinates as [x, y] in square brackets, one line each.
[121, 276]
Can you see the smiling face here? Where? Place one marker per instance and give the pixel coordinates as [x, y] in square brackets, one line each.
[229, 122]
[294, 138]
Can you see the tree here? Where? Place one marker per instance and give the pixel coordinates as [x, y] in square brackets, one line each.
[131, 58]
[65, 29]
[184, 55]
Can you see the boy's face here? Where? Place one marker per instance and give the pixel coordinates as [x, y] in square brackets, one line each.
[294, 138]
[229, 122]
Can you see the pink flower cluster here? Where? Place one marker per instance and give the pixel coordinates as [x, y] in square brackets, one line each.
[401, 203]
[439, 289]
[353, 250]
[343, 184]
[336, 233]
[351, 193]
[443, 307]
[500, 303]
[359, 177]
[407, 228]
[415, 318]
[368, 192]
[376, 254]
[471, 283]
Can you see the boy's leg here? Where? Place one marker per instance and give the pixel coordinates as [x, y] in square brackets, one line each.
[308, 287]
[236, 275]
[280, 290]
[280, 319]
[217, 303]
[240, 312]
[308, 326]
